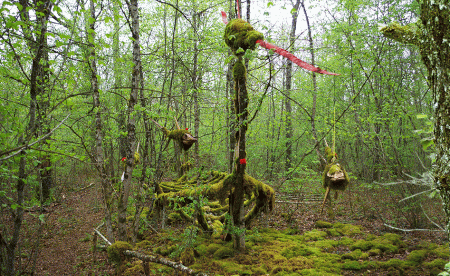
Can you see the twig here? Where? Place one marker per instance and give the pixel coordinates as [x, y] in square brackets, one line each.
[37, 141]
[414, 195]
[435, 224]
[411, 230]
[88, 186]
[158, 125]
[103, 237]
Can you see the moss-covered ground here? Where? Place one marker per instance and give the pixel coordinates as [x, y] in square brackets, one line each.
[328, 249]
[295, 239]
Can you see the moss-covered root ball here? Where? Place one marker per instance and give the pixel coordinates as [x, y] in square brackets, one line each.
[240, 34]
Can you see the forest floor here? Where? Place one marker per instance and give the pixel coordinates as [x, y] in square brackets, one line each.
[65, 239]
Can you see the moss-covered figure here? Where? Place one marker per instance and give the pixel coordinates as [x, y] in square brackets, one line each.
[182, 136]
[334, 177]
[239, 34]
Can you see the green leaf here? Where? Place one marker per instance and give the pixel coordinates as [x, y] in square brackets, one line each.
[426, 143]
[421, 116]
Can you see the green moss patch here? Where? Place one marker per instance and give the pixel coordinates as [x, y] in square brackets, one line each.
[323, 224]
[223, 253]
[347, 229]
[115, 251]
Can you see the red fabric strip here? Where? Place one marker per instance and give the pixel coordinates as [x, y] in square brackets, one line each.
[293, 58]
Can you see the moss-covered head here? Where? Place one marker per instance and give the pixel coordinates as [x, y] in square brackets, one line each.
[240, 34]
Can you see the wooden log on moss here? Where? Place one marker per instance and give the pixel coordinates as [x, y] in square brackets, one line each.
[177, 266]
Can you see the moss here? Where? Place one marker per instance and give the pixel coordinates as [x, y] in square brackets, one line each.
[386, 243]
[394, 239]
[259, 271]
[323, 224]
[374, 252]
[239, 72]
[299, 250]
[144, 244]
[362, 244]
[271, 258]
[427, 245]
[317, 272]
[325, 244]
[347, 229]
[115, 251]
[417, 256]
[165, 251]
[314, 235]
[217, 226]
[300, 263]
[442, 252]
[223, 252]
[354, 265]
[398, 264]
[436, 263]
[346, 241]
[212, 248]
[333, 232]
[354, 255]
[174, 218]
[405, 34]
[202, 249]
[187, 257]
[136, 268]
[240, 34]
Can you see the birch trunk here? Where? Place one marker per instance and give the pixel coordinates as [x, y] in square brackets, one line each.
[131, 126]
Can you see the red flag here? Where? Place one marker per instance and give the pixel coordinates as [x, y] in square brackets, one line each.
[293, 58]
[224, 18]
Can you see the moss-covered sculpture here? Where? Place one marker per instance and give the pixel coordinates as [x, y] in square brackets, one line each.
[334, 176]
[239, 34]
[216, 187]
[182, 136]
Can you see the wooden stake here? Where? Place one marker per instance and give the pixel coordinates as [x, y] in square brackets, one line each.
[325, 199]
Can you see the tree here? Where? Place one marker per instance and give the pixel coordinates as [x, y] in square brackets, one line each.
[430, 33]
[131, 126]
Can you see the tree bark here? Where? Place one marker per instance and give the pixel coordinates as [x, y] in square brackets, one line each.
[131, 126]
[432, 37]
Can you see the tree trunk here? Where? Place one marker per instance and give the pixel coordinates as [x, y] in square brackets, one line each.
[99, 152]
[131, 126]
[231, 120]
[314, 99]
[237, 198]
[432, 37]
[288, 86]
[37, 47]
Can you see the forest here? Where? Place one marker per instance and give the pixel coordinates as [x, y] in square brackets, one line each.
[223, 137]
